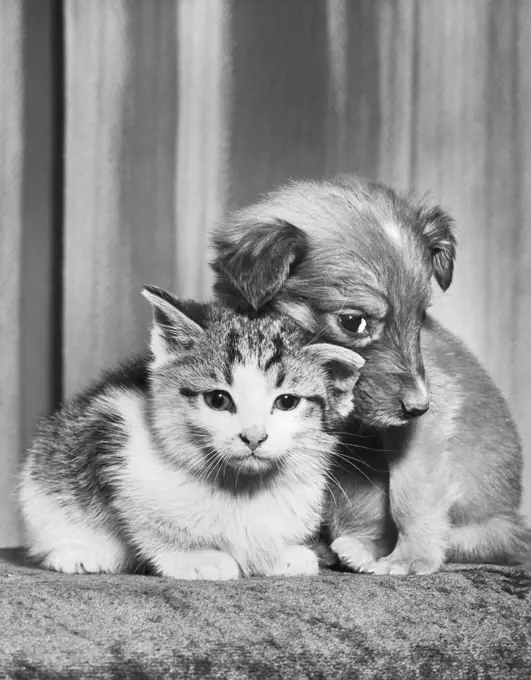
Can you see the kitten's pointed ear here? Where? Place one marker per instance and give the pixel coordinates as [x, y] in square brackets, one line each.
[343, 367]
[438, 230]
[254, 259]
[173, 329]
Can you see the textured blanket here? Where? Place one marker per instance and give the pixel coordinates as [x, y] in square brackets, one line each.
[466, 622]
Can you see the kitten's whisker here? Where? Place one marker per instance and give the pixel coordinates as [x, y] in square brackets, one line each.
[222, 467]
[363, 527]
[215, 466]
[237, 477]
[213, 459]
[357, 461]
[350, 462]
[354, 445]
[334, 479]
[352, 434]
[330, 493]
[212, 465]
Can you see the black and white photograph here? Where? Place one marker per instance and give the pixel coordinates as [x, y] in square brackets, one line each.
[265, 339]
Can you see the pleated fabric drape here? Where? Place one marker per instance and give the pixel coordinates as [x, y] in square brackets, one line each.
[128, 128]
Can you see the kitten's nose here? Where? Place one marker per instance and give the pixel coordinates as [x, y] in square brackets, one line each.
[253, 439]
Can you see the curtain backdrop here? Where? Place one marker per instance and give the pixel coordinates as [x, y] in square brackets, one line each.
[129, 127]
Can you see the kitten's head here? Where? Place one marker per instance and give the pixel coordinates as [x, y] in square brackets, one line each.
[249, 396]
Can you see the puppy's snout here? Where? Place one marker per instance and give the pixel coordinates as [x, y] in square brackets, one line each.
[416, 401]
[414, 411]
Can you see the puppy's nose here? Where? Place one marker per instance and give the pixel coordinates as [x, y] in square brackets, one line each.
[253, 439]
[414, 410]
[415, 399]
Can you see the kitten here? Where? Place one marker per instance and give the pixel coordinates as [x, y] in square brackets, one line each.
[206, 458]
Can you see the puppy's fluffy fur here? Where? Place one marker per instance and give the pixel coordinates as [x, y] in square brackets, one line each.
[353, 263]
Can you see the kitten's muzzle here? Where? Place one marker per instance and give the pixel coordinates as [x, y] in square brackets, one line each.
[253, 439]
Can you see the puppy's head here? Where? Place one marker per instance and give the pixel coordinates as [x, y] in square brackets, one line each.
[352, 262]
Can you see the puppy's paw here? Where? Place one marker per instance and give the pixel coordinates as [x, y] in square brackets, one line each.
[399, 565]
[354, 554]
[297, 560]
[206, 565]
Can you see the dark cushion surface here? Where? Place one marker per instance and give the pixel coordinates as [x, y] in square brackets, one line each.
[465, 622]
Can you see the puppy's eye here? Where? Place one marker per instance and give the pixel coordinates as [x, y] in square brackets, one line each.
[286, 402]
[219, 400]
[424, 315]
[354, 323]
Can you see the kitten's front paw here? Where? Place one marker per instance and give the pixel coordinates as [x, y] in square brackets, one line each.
[354, 554]
[206, 565]
[81, 560]
[297, 560]
[398, 564]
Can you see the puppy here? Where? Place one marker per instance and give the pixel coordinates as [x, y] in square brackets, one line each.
[353, 262]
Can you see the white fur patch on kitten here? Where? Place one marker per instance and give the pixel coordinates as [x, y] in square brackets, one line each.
[69, 540]
[253, 529]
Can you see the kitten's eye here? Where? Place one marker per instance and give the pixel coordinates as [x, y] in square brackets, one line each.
[354, 323]
[286, 402]
[219, 400]
[424, 315]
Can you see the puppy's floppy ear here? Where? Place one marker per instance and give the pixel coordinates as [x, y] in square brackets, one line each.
[175, 323]
[257, 258]
[343, 367]
[438, 230]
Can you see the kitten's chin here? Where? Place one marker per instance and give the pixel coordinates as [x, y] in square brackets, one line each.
[252, 464]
